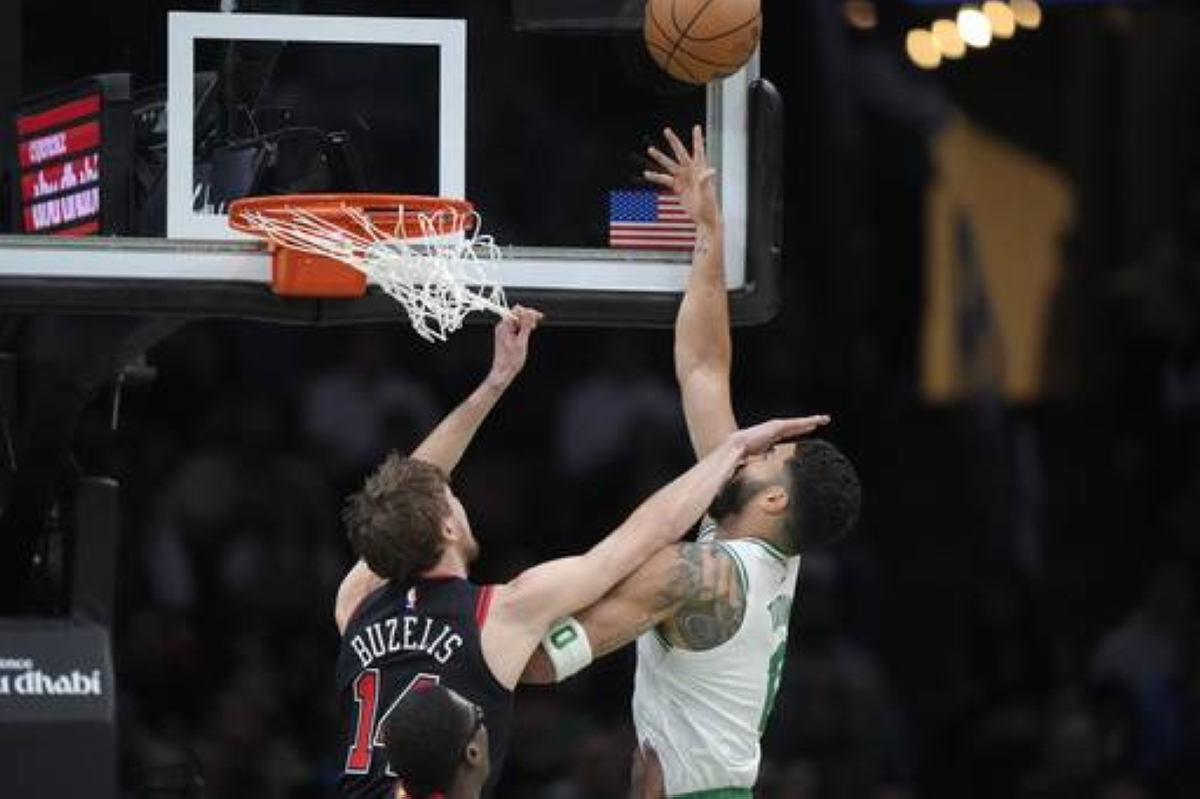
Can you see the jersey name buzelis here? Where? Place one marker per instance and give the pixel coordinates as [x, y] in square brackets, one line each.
[407, 634]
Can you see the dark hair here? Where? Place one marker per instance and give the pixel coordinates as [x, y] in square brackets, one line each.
[825, 494]
[394, 521]
[426, 737]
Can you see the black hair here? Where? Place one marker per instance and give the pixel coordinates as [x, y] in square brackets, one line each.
[825, 495]
[426, 737]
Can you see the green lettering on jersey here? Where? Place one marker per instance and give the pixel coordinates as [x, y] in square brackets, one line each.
[774, 674]
[781, 611]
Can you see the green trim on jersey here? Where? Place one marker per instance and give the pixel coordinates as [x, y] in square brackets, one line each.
[745, 578]
[662, 639]
[717, 793]
[770, 549]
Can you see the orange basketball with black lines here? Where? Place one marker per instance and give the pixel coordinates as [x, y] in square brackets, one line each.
[697, 41]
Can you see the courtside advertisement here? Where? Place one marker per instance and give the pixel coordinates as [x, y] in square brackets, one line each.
[55, 674]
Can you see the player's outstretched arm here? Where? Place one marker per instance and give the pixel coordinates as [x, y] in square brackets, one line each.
[445, 445]
[524, 609]
[703, 349]
[692, 592]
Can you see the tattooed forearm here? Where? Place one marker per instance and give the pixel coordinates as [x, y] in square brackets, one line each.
[710, 600]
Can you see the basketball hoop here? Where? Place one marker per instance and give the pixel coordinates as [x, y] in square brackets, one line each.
[426, 252]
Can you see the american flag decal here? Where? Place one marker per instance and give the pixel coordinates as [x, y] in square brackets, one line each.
[646, 219]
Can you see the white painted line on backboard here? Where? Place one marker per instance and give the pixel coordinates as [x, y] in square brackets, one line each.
[185, 28]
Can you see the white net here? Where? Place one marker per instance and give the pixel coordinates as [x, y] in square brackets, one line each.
[439, 276]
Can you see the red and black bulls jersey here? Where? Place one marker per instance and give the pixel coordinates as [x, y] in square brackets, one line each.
[405, 634]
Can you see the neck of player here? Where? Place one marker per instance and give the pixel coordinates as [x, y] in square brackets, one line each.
[751, 523]
[468, 784]
[452, 563]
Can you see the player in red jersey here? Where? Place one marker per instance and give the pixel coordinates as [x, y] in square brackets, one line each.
[409, 615]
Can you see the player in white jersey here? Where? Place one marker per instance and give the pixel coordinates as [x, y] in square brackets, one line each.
[711, 617]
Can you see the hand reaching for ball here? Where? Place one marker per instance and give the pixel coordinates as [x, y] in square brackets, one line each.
[689, 176]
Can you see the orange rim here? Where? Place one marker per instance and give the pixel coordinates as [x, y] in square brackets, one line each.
[384, 211]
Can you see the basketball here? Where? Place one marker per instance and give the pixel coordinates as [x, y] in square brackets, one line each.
[697, 41]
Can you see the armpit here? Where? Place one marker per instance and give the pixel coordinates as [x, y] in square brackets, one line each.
[539, 670]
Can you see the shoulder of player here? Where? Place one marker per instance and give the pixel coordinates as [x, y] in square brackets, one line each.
[354, 593]
[707, 596]
[698, 572]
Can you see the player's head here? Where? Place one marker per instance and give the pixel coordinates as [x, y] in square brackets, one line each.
[437, 743]
[405, 517]
[808, 490]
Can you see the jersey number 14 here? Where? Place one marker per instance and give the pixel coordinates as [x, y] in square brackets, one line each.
[367, 733]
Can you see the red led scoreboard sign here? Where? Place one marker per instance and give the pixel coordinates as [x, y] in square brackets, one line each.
[73, 159]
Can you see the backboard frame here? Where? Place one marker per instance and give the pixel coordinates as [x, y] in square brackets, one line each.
[184, 29]
[528, 267]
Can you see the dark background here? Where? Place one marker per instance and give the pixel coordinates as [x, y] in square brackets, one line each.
[554, 122]
[1015, 616]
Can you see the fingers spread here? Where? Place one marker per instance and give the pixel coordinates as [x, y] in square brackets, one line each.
[659, 178]
[663, 159]
[681, 153]
[698, 151]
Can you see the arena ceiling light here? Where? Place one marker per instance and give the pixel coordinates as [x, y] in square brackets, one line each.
[948, 39]
[922, 48]
[861, 14]
[1002, 18]
[1027, 14]
[974, 27]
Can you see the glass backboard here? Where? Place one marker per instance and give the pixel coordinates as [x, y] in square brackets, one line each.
[540, 124]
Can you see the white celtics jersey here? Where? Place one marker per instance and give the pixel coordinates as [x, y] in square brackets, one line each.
[704, 712]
